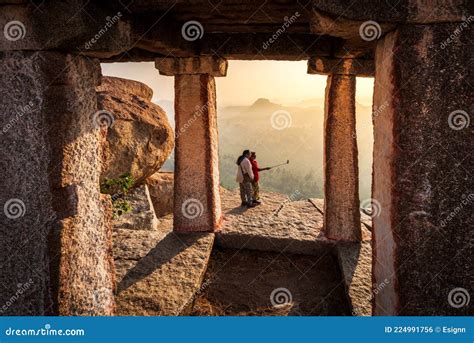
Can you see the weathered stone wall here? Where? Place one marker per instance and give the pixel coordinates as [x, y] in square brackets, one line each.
[423, 171]
[58, 237]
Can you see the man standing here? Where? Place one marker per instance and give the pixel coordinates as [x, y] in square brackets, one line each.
[244, 178]
[256, 178]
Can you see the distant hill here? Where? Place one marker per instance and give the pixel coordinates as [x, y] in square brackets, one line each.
[277, 133]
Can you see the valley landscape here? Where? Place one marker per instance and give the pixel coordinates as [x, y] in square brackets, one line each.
[279, 133]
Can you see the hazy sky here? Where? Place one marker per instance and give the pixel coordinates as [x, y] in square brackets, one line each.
[282, 82]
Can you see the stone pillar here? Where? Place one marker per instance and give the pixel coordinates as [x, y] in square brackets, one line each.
[422, 171]
[341, 175]
[197, 205]
[55, 238]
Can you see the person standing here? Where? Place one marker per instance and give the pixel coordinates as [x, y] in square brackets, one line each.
[256, 178]
[245, 177]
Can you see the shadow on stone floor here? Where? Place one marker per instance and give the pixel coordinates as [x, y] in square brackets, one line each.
[355, 261]
[257, 283]
[170, 246]
[237, 210]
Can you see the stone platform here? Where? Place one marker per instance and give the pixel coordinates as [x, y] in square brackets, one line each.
[251, 283]
[278, 225]
[296, 227]
[158, 272]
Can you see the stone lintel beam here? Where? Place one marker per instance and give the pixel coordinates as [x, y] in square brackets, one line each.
[65, 26]
[403, 11]
[232, 16]
[268, 46]
[211, 65]
[246, 46]
[347, 66]
[365, 31]
[341, 176]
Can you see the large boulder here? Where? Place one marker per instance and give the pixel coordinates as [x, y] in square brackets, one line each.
[161, 192]
[139, 137]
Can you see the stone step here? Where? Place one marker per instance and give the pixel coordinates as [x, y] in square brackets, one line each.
[158, 272]
[278, 225]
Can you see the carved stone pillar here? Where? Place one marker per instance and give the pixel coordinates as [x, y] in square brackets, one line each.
[55, 238]
[341, 175]
[197, 205]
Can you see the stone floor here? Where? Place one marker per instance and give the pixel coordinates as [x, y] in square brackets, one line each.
[296, 227]
[158, 272]
[276, 225]
[161, 273]
[250, 282]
